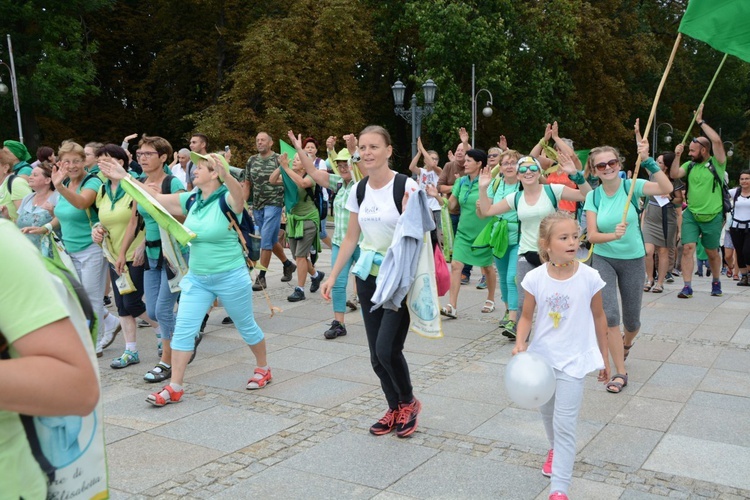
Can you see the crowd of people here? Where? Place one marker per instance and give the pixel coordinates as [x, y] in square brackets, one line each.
[518, 216]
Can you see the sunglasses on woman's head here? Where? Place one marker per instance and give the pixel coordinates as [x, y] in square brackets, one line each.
[603, 165]
[527, 168]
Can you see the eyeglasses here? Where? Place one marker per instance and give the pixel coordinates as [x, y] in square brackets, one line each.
[147, 154]
[528, 168]
[508, 164]
[603, 165]
[493, 155]
[74, 162]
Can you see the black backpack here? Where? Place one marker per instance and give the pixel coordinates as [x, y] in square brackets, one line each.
[245, 230]
[399, 187]
[11, 178]
[316, 194]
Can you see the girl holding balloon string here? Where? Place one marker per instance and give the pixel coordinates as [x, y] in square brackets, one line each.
[570, 335]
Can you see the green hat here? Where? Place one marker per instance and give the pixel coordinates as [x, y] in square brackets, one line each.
[343, 155]
[18, 150]
[195, 158]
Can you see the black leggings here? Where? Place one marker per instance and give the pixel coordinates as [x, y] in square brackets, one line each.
[741, 242]
[386, 333]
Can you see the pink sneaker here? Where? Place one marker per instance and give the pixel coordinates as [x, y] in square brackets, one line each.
[547, 467]
[558, 496]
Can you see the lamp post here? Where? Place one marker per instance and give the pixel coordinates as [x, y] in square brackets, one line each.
[14, 86]
[415, 113]
[730, 153]
[667, 139]
[487, 111]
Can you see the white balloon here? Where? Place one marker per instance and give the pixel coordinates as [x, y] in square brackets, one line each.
[529, 380]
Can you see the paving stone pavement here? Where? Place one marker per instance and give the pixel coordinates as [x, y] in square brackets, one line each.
[680, 429]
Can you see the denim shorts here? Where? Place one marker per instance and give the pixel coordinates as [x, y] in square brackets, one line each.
[268, 219]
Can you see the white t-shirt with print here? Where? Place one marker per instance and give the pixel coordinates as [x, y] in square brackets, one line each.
[429, 177]
[377, 215]
[564, 331]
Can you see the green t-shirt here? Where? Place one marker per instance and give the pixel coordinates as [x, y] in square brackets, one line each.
[20, 189]
[152, 228]
[115, 212]
[305, 203]
[531, 216]
[22, 168]
[31, 303]
[258, 170]
[704, 194]
[216, 248]
[74, 223]
[609, 214]
[502, 191]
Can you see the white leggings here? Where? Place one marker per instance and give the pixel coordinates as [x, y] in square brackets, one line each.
[92, 271]
[560, 416]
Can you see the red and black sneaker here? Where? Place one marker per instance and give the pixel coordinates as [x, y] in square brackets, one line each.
[407, 418]
[386, 424]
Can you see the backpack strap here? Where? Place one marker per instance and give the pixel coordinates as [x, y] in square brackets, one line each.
[189, 202]
[551, 195]
[166, 184]
[10, 183]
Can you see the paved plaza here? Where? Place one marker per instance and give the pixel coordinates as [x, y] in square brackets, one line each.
[680, 429]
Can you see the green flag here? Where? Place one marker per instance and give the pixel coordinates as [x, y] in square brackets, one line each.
[155, 210]
[291, 195]
[723, 24]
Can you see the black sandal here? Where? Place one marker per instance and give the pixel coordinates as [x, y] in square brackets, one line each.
[627, 350]
[617, 385]
[159, 373]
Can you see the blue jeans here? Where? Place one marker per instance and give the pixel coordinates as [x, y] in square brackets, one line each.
[268, 219]
[159, 299]
[235, 290]
[506, 272]
[338, 292]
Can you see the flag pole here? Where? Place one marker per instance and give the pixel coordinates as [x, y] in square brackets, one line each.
[705, 96]
[650, 120]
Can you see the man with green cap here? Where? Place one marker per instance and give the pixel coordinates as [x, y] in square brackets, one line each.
[22, 155]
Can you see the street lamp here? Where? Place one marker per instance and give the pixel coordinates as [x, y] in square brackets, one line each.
[487, 111]
[14, 86]
[415, 113]
[667, 139]
[730, 153]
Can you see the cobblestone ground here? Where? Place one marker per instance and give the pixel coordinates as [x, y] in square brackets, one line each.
[316, 424]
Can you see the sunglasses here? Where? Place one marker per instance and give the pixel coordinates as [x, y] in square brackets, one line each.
[493, 155]
[529, 168]
[603, 165]
[698, 141]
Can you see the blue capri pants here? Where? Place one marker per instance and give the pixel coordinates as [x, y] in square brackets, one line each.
[338, 292]
[235, 290]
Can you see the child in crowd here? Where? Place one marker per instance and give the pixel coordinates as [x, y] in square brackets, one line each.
[570, 334]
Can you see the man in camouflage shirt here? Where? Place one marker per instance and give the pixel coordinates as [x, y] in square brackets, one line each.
[268, 201]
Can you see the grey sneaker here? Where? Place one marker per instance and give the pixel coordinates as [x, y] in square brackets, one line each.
[288, 272]
[297, 295]
[315, 282]
[260, 283]
[336, 330]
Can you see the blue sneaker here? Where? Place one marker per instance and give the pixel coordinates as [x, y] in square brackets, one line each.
[482, 285]
[127, 358]
[687, 293]
[716, 289]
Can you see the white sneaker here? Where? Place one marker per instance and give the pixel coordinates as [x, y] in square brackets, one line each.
[111, 329]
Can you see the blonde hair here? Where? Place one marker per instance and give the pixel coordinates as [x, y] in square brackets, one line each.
[70, 147]
[545, 231]
[590, 170]
[510, 153]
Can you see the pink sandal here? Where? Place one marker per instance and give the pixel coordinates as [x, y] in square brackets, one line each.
[157, 399]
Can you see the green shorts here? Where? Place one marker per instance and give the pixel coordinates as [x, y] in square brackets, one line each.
[708, 232]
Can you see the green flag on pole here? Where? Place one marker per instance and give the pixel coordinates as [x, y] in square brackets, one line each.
[723, 24]
[291, 195]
